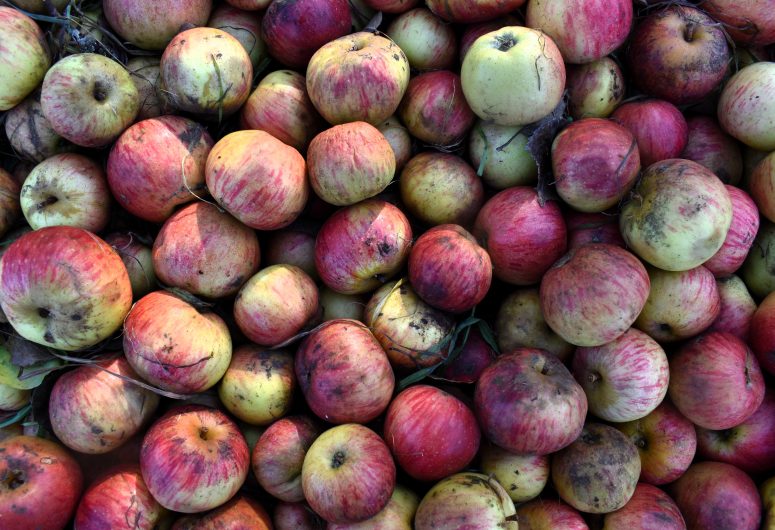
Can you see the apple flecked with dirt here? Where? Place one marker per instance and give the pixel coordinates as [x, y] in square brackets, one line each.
[406, 264]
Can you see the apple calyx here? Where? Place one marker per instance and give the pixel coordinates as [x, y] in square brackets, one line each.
[338, 459]
[505, 42]
[14, 478]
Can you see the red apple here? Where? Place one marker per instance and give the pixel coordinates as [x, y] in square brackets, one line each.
[294, 245]
[476, 355]
[761, 184]
[659, 128]
[710, 146]
[548, 514]
[10, 209]
[398, 513]
[648, 508]
[749, 23]
[428, 41]
[600, 227]
[296, 516]
[240, 512]
[151, 24]
[740, 237]
[243, 25]
[762, 338]
[463, 11]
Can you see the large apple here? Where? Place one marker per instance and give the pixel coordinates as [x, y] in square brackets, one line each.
[746, 106]
[526, 61]
[151, 24]
[25, 58]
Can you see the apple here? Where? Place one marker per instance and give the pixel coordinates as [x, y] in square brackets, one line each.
[597, 227]
[344, 373]
[193, 459]
[463, 11]
[25, 57]
[593, 294]
[448, 269]
[548, 514]
[598, 472]
[349, 163]
[13, 399]
[358, 77]
[280, 106]
[466, 500]
[767, 491]
[296, 516]
[245, 26]
[522, 476]
[29, 132]
[625, 379]
[66, 189]
[240, 512]
[526, 61]
[505, 402]
[471, 32]
[397, 514]
[680, 304]
[649, 507]
[740, 237]
[410, 331]
[158, 164]
[499, 154]
[710, 146]
[362, 246]
[476, 355]
[745, 106]
[659, 128]
[149, 24]
[249, 5]
[762, 334]
[295, 29]
[145, 72]
[279, 454]
[737, 310]
[428, 41]
[207, 72]
[717, 495]
[334, 305]
[761, 185]
[174, 346]
[748, 23]
[64, 287]
[89, 99]
[118, 499]
[10, 207]
[392, 6]
[678, 215]
[205, 251]
[595, 163]
[258, 386]
[40, 484]
[595, 89]
[583, 30]
[758, 270]
[137, 259]
[440, 188]
[435, 110]
[348, 474]
[398, 138]
[715, 381]
[520, 322]
[679, 54]
[294, 245]
[522, 235]
[258, 179]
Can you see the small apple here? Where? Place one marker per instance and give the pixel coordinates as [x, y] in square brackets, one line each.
[595, 89]
[548, 514]
[245, 26]
[428, 41]
[498, 152]
[137, 259]
[522, 476]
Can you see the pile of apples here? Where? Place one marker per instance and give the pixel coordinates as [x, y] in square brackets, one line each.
[387, 264]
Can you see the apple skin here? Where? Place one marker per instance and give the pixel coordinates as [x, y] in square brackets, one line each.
[205, 251]
[157, 165]
[249, 5]
[243, 25]
[275, 304]
[295, 29]
[344, 373]
[41, 484]
[598, 472]
[597, 227]
[280, 106]
[64, 287]
[25, 58]
[678, 216]
[435, 110]
[625, 379]
[464, 11]
[595, 163]
[584, 30]
[145, 72]
[498, 151]
[680, 304]
[119, 499]
[737, 311]
[758, 270]
[409, 329]
[513, 56]
[507, 227]
[431, 433]
[137, 259]
[334, 305]
[719, 496]
[193, 459]
[207, 72]
[745, 107]
[170, 344]
[678, 54]
[10, 208]
[392, 6]
[296, 516]
[659, 128]
[762, 337]
[240, 512]
[428, 41]
[258, 179]
[761, 185]
[439, 188]
[89, 99]
[710, 146]
[466, 500]
[471, 32]
[358, 77]
[349, 163]
[648, 508]
[94, 411]
[258, 386]
[29, 132]
[522, 476]
[749, 23]
[279, 453]
[594, 89]
[476, 355]
[593, 294]
[151, 25]
[39, 6]
[362, 246]
[767, 491]
[715, 381]
[505, 396]
[398, 138]
[749, 446]
[740, 237]
[294, 245]
[448, 268]
[548, 514]
[397, 514]
[12, 399]
[348, 474]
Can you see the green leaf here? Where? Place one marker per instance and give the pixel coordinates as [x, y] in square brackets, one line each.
[489, 336]
[20, 414]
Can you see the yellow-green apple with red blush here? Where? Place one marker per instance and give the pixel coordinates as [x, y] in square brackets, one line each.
[745, 106]
[761, 185]
[240, 512]
[137, 258]
[13, 398]
[334, 305]
[595, 89]
[397, 514]
[428, 41]
[471, 32]
[498, 151]
[399, 139]
[151, 24]
[245, 26]
[24, 59]
[523, 476]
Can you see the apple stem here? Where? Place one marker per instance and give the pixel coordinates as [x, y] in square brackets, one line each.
[691, 26]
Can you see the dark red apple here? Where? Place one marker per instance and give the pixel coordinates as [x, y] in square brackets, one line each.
[710, 146]
[649, 508]
[762, 338]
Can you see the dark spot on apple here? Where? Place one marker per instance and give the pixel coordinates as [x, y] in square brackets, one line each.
[43, 312]
[396, 57]
[384, 248]
[200, 272]
[76, 317]
[338, 459]
[48, 337]
[664, 326]
[15, 508]
[95, 429]
[191, 137]
[14, 478]
[505, 42]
